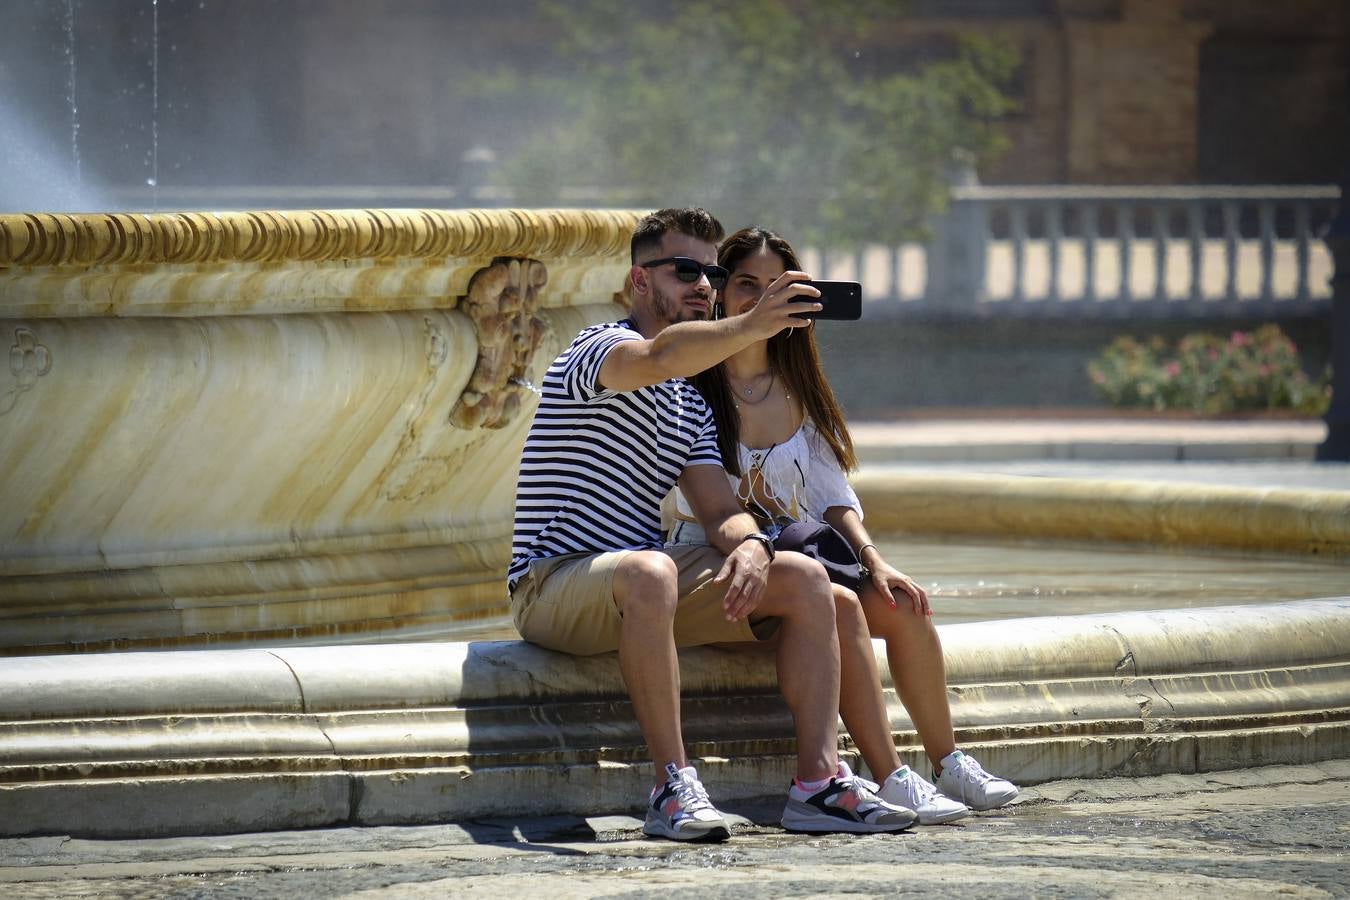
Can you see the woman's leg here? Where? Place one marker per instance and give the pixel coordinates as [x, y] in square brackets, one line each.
[861, 704]
[914, 653]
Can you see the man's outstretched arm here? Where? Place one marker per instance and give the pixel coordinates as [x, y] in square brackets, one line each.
[687, 348]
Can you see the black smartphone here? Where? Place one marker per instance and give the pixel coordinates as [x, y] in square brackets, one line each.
[840, 301]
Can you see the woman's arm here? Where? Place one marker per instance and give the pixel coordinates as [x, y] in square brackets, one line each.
[846, 521]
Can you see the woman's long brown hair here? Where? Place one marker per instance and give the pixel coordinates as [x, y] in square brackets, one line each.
[792, 354]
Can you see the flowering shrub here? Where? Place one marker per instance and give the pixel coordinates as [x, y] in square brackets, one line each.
[1206, 374]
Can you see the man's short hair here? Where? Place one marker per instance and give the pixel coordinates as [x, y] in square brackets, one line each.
[694, 221]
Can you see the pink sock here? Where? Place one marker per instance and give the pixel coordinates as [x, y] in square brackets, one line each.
[812, 786]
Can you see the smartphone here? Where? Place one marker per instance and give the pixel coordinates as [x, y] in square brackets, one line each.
[840, 301]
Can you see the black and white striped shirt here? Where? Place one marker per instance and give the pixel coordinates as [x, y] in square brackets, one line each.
[597, 462]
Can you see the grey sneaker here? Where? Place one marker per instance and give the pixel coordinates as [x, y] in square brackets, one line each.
[681, 810]
[909, 789]
[966, 781]
[845, 803]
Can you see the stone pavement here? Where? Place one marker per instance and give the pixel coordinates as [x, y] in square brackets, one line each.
[1279, 830]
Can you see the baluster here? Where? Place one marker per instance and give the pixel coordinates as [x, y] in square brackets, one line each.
[1018, 216]
[1054, 234]
[1089, 211]
[1303, 235]
[983, 230]
[1161, 227]
[1231, 234]
[1267, 218]
[1195, 220]
[1125, 229]
[895, 272]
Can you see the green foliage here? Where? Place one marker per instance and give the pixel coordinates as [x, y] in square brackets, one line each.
[768, 111]
[1256, 370]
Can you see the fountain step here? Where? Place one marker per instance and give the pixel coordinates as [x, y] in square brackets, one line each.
[1287, 520]
[219, 741]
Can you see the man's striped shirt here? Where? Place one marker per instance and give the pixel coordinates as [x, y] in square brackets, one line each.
[597, 462]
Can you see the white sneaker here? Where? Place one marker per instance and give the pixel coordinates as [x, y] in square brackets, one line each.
[845, 803]
[964, 780]
[681, 810]
[909, 789]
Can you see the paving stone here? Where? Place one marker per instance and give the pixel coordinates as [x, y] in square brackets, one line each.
[1272, 831]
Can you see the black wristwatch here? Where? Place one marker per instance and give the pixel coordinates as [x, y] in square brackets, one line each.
[763, 539]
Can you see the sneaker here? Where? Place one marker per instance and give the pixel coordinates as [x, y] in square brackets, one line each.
[845, 803]
[909, 789]
[681, 810]
[964, 780]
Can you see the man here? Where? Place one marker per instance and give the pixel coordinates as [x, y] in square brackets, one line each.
[616, 427]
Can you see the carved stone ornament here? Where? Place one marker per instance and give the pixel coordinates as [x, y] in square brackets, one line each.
[503, 300]
[28, 361]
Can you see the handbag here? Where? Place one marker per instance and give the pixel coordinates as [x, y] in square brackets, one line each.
[826, 546]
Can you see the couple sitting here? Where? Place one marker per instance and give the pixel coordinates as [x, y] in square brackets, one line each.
[619, 426]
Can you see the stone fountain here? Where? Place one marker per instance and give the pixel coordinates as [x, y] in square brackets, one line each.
[234, 427]
[224, 435]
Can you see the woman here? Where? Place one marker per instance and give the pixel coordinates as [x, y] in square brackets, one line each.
[786, 449]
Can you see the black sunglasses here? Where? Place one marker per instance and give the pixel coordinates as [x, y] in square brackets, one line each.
[689, 270]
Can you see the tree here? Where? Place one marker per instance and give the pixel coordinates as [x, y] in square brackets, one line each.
[768, 111]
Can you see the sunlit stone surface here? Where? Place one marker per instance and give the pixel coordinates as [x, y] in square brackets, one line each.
[211, 741]
[217, 427]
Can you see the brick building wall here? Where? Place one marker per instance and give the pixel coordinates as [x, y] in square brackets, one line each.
[1164, 91]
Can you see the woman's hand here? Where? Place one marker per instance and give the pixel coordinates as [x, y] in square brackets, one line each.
[887, 578]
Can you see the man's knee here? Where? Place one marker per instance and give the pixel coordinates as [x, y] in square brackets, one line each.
[803, 579]
[646, 580]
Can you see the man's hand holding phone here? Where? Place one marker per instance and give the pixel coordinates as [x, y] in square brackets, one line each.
[778, 307]
[840, 301]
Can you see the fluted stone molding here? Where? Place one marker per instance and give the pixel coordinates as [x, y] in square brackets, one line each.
[1302, 521]
[237, 740]
[303, 425]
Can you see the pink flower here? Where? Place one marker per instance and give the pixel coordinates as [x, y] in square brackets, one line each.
[1173, 369]
[1213, 354]
[1264, 369]
[1240, 339]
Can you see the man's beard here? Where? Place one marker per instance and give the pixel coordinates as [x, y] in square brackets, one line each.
[672, 311]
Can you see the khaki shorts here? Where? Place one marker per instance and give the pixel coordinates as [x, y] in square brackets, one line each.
[566, 603]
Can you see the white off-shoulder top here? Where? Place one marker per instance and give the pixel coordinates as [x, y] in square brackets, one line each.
[798, 479]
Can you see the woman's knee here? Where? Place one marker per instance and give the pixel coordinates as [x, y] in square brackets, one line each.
[846, 602]
[900, 621]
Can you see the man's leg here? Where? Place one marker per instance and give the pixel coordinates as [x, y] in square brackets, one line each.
[646, 594]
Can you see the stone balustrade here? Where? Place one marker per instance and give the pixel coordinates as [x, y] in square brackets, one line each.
[1108, 252]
